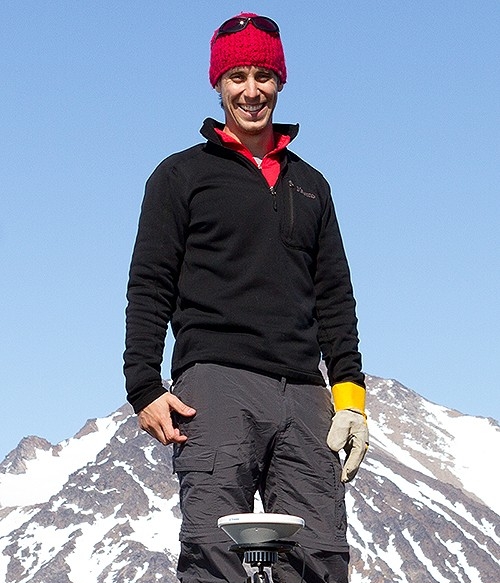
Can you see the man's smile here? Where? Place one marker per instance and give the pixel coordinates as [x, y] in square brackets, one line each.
[252, 108]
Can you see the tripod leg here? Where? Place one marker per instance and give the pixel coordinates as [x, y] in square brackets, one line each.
[260, 577]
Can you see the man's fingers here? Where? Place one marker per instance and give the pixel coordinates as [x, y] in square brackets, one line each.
[179, 407]
[153, 427]
[158, 435]
[165, 433]
[156, 418]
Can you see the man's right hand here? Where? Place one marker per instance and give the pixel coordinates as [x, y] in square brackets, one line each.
[156, 418]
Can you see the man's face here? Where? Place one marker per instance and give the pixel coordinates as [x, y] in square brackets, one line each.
[249, 96]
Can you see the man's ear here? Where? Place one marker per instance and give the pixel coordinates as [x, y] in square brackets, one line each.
[280, 86]
[217, 86]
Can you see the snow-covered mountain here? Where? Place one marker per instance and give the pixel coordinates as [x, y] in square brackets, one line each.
[102, 507]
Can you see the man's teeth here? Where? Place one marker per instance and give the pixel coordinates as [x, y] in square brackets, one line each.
[252, 108]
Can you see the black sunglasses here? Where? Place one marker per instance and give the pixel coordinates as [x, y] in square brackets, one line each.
[236, 24]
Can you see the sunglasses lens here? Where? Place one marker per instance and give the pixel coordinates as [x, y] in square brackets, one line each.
[265, 24]
[232, 25]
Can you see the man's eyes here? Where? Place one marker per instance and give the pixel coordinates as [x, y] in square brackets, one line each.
[261, 78]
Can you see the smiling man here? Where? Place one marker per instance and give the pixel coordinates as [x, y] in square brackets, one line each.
[249, 95]
[238, 248]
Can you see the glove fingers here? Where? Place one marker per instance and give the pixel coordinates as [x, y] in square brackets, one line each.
[337, 437]
[349, 432]
[340, 430]
[357, 451]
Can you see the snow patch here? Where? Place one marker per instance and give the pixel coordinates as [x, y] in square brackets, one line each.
[50, 472]
[473, 445]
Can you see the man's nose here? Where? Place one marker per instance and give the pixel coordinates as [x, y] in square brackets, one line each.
[251, 88]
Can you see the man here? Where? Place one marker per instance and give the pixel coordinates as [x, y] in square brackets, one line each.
[239, 249]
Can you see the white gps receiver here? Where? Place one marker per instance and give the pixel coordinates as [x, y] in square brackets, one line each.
[258, 528]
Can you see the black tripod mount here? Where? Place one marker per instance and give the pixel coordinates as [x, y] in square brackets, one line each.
[262, 555]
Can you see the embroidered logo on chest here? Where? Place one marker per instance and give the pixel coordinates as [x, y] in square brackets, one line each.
[300, 190]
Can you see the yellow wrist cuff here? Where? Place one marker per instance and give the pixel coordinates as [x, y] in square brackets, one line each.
[348, 396]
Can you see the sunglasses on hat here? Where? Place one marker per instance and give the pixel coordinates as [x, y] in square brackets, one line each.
[236, 24]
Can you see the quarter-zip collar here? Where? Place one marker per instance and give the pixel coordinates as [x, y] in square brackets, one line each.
[209, 125]
[270, 165]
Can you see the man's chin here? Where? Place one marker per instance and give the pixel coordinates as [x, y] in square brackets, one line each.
[254, 131]
[254, 128]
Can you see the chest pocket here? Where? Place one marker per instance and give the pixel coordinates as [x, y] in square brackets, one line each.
[301, 220]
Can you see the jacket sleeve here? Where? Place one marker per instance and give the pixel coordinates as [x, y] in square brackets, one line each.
[152, 286]
[335, 304]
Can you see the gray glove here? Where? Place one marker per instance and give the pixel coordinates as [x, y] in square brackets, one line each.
[349, 431]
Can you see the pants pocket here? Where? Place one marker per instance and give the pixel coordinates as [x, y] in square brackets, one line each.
[201, 461]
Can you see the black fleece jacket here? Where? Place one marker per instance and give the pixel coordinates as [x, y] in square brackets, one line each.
[247, 275]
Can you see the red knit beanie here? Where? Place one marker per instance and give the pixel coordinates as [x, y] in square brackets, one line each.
[250, 46]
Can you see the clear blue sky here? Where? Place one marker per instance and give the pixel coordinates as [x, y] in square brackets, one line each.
[399, 107]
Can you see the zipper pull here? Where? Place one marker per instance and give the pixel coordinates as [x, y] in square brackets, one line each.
[273, 194]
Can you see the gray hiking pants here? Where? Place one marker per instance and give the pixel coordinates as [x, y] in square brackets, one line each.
[255, 433]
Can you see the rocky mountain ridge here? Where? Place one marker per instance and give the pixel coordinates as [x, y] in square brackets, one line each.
[102, 507]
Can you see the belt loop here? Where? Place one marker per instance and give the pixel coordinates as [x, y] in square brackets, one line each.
[283, 383]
